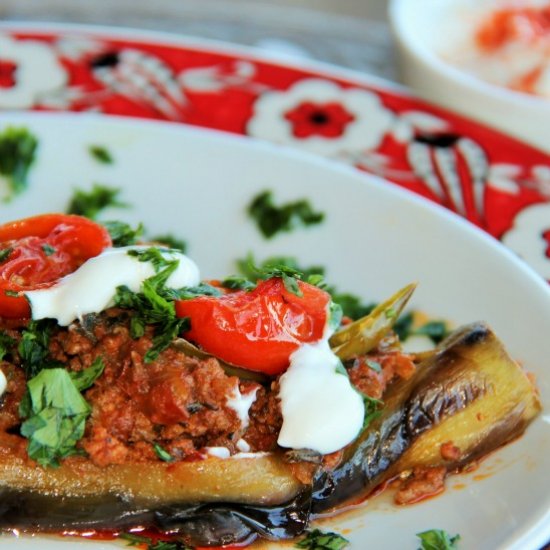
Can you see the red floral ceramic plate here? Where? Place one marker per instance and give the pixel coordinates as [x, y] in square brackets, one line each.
[491, 179]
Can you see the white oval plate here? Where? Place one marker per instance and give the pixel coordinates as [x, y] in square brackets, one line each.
[376, 238]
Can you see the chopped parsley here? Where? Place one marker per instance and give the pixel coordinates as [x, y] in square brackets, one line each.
[6, 344]
[33, 347]
[162, 453]
[5, 254]
[272, 219]
[48, 249]
[56, 412]
[154, 304]
[83, 379]
[139, 540]
[437, 539]
[170, 242]
[317, 540]
[122, 234]
[373, 409]
[101, 154]
[435, 330]
[90, 203]
[17, 154]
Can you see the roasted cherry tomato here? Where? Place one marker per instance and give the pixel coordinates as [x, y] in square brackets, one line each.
[257, 329]
[35, 252]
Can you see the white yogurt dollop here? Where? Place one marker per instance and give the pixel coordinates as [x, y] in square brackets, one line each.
[3, 383]
[321, 410]
[92, 287]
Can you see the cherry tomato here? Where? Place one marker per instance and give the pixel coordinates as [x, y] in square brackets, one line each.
[37, 251]
[257, 329]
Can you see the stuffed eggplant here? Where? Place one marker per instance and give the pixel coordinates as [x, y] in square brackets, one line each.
[172, 404]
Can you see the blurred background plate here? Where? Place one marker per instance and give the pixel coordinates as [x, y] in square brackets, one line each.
[491, 179]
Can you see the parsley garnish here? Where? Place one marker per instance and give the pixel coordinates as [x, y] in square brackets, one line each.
[101, 154]
[202, 289]
[317, 540]
[91, 203]
[154, 304]
[6, 343]
[435, 330]
[170, 242]
[272, 219]
[5, 254]
[17, 153]
[122, 233]
[34, 347]
[162, 453]
[48, 249]
[437, 539]
[83, 379]
[372, 409]
[137, 540]
[56, 415]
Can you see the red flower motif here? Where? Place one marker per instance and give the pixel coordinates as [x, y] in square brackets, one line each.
[7, 74]
[318, 119]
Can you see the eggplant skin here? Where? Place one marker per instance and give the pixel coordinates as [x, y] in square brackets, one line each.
[213, 524]
[469, 392]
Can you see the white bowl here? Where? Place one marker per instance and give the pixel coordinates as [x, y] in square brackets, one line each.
[425, 28]
[196, 184]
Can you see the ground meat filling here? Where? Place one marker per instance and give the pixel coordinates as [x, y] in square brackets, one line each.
[176, 405]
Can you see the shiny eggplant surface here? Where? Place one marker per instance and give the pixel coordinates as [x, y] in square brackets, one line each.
[469, 392]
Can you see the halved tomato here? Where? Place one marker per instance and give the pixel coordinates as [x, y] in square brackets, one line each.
[35, 252]
[257, 329]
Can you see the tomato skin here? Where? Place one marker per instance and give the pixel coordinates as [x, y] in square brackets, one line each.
[44, 249]
[257, 329]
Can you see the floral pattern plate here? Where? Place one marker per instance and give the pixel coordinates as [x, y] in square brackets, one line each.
[496, 182]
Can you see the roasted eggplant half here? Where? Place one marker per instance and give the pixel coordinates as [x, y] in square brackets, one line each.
[469, 391]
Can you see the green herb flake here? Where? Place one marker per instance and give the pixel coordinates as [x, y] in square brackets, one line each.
[372, 409]
[154, 304]
[162, 453]
[33, 347]
[122, 234]
[134, 540]
[85, 378]
[235, 282]
[138, 540]
[101, 154]
[6, 344]
[5, 254]
[437, 539]
[317, 540]
[55, 413]
[90, 203]
[48, 249]
[17, 154]
[435, 330]
[170, 241]
[272, 219]
[11, 293]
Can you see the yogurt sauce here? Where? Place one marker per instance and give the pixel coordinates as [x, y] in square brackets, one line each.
[321, 410]
[92, 287]
[3, 383]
